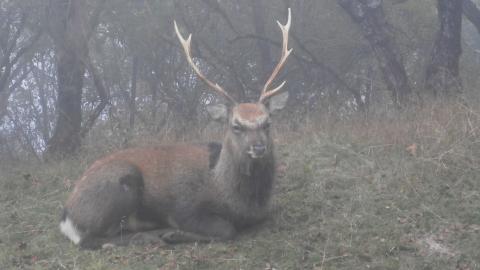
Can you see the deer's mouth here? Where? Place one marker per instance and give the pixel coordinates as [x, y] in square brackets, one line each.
[257, 151]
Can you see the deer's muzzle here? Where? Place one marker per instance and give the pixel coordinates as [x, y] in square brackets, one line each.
[257, 150]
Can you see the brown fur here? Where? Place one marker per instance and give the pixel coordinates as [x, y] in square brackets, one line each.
[188, 187]
[250, 114]
[204, 193]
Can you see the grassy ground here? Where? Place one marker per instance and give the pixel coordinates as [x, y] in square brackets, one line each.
[386, 193]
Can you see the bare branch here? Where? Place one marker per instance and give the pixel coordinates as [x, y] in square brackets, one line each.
[94, 19]
[102, 94]
[216, 7]
[471, 11]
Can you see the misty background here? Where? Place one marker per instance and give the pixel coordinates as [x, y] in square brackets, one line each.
[75, 72]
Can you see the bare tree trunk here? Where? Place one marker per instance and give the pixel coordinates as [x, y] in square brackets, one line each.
[259, 25]
[370, 16]
[67, 28]
[442, 74]
[154, 89]
[153, 81]
[45, 127]
[471, 11]
[102, 94]
[11, 53]
[7, 50]
[133, 93]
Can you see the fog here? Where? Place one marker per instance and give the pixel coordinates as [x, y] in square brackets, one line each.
[70, 69]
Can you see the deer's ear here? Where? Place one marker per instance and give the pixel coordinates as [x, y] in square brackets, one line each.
[278, 102]
[218, 112]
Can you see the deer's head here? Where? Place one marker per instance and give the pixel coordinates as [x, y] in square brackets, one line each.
[248, 123]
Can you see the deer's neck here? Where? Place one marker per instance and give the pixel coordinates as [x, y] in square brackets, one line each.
[243, 180]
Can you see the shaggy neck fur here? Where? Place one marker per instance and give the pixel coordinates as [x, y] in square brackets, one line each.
[245, 183]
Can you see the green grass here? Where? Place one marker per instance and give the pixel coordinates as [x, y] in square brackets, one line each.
[346, 199]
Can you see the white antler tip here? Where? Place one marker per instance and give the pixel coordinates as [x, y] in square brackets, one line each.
[286, 26]
[176, 27]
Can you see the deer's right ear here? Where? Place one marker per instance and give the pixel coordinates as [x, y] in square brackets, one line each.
[218, 112]
[278, 102]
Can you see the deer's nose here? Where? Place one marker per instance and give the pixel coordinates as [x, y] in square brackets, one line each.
[259, 149]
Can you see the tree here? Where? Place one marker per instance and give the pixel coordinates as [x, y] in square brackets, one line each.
[442, 76]
[13, 46]
[67, 28]
[265, 62]
[370, 16]
[70, 30]
[339, 66]
[471, 11]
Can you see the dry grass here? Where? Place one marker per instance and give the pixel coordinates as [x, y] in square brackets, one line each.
[398, 191]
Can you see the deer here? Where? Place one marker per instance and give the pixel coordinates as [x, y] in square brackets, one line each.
[185, 192]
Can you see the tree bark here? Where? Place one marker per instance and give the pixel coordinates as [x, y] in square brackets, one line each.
[133, 94]
[44, 118]
[68, 29]
[259, 24]
[471, 11]
[102, 94]
[11, 53]
[442, 74]
[370, 16]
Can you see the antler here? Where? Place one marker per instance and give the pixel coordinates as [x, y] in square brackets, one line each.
[187, 48]
[285, 53]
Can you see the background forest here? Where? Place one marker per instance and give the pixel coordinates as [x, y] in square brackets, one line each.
[72, 71]
[378, 146]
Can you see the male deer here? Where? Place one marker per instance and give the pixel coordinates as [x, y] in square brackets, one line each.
[202, 192]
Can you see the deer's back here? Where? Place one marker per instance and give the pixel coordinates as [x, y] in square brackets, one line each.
[170, 173]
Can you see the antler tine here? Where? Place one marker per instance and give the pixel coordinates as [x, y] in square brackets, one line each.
[187, 49]
[285, 53]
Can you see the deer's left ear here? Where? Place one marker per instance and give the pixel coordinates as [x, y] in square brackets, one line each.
[218, 112]
[278, 102]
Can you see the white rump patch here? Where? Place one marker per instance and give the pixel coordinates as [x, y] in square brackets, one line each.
[68, 229]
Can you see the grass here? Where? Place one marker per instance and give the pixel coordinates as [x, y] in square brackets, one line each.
[400, 192]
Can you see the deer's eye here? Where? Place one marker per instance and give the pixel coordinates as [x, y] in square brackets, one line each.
[266, 126]
[237, 128]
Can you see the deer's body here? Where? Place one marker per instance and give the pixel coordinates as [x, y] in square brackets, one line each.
[171, 186]
[207, 191]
